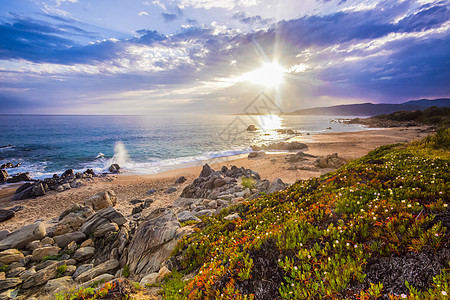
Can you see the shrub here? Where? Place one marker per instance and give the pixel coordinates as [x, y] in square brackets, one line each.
[248, 183]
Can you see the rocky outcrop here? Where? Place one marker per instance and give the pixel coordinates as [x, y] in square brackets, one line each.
[72, 218]
[102, 200]
[3, 176]
[114, 168]
[107, 267]
[10, 256]
[153, 241]
[6, 214]
[65, 239]
[104, 216]
[330, 161]
[257, 154]
[19, 177]
[9, 283]
[20, 238]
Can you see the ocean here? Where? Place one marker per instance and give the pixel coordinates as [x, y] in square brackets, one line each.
[49, 144]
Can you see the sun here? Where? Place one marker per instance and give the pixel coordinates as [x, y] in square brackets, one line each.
[269, 75]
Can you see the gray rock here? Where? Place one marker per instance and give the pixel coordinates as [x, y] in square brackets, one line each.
[185, 216]
[153, 241]
[81, 269]
[151, 191]
[16, 272]
[107, 267]
[181, 179]
[42, 276]
[149, 279]
[9, 283]
[257, 154]
[102, 200]
[239, 194]
[3, 234]
[276, 185]
[114, 168]
[65, 239]
[106, 215]
[56, 283]
[232, 217]
[38, 190]
[6, 214]
[84, 253]
[27, 273]
[19, 177]
[212, 204]
[104, 229]
[40, 253]
[330, 161]
[20, 238]
[205, 212]
[171, 190]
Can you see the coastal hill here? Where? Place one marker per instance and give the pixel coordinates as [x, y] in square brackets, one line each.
[370, 109]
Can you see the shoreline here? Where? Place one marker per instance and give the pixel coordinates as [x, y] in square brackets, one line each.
[128, 187]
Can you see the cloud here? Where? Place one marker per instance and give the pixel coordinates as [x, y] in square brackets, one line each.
[143, 13]
[170, 17]
[251, 20]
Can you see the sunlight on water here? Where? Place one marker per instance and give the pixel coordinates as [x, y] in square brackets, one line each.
[269, 122]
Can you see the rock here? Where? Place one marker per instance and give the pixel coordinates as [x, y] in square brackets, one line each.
[2, 275]
[181, 179]
[153, 241]
[68, 174]
[56, 283]
[27, 273]
[106, 215]
[136, 201]
[31, 246]
[11, 294]
[72, 219]
[281, 146]
[21, 237]
[257, 154]
[89, 172]
[276, 185]
[206, 171]
[108, 267]
[151, 191]
[3, 176]
[102, 200]
[9, 283]
[252, 128]
[47, 241]
[64, 239]
[101, 278]
[19, 177]
[232, 217]
[237, 200]
[212, 204]
[72, 248]
[75, 184]
[239, 194]
[114, 168]
[3, 234]
[84, 253]
[185, 216]
[81, 269]
[171, 190]
[6, 214]
[16, 272]
[205, 212]
[63, 187]
[163, 272]
[40, 253]
[42, 276]
[38, 190]
[70, 270]
[330, 161]
[150, 279]
[104, 229]
[86, 243]
[136, 210]
[9, 256]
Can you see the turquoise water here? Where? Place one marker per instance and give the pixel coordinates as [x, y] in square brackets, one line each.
[45, 145]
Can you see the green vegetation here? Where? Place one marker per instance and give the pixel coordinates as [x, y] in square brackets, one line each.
[187, 223]
[61, 270]
[52, 257]
[433, 116]
[332, 237]
[126, 271]
[248, 183]
[4, 268]
[111, 290]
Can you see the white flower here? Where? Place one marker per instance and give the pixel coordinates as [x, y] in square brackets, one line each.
[403, 296]
[444, 293]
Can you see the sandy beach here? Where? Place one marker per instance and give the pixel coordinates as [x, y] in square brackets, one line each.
[348, 145]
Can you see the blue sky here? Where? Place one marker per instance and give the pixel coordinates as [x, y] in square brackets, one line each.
[190, 56]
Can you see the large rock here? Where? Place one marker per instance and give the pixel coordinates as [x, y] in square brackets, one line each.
[84, 253]
[3, 176]
[104, 229]
[104, 216]
[281, 146]
[330, 161]
[81, 269]
[21, 237]
[56, 283]
[9, 256]
[65, 239]
[108, 267]
[9, 283]
[153, 241]
[100, 278]
[102, 200]
[42, 276]
[40, 253]
[19, 177]
[6, 214]
[186, 215]
[252, 128]
[114, 168]
[72, 219]
[276, 185]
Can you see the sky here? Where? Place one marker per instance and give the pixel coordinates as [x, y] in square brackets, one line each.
[201, 56]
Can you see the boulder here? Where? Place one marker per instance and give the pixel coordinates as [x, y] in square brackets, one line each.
[54, 284]
[16, 272]
[114, 168]
[150, 279]
[42, 276]
[31, 246]
[68, 174]
[153, 241]
[104, 216]
[205, 212]
[81, 269]
[276, 185]
[186, 215]
[84, 253]
[257, 154]
[9, 283]
[104, 229]
[38, 189]
[72, 219]
[151, 191]
[65, 239]
[181, 179]
[40, 253]
[21, 237]
[206, 171]
[27, 273]
[330, 161]
[9, 256]
[171, 190]
[3, 234]
[108, 267]
[6, 214]
[3, 176]
[47, 241]
[232, 217]
[19, 177]
[102, 200]
[252, 128]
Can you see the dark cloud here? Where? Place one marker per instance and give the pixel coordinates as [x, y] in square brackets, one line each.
[250, 20]
[176, 13]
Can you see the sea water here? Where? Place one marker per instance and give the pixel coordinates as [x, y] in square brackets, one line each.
[49, 144]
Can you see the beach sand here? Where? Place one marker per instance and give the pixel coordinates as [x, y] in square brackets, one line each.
[348, 145]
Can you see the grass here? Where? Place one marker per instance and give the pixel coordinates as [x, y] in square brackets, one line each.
[60, 271]
[248, 183]
[323, 238]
